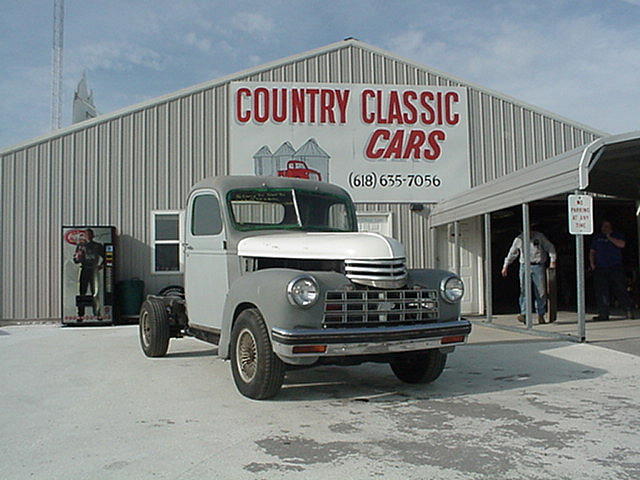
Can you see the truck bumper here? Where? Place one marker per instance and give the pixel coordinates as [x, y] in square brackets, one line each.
[368, 341]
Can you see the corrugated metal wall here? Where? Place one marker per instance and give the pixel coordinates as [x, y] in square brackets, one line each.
[116, 170]
[111, 173]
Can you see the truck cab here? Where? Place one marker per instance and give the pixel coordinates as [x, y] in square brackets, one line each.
[278, 276]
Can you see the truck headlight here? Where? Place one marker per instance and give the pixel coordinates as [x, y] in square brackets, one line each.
[452, 289]
[303, 291]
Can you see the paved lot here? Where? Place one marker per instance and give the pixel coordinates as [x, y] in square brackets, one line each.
[79, 403]
[618, 333]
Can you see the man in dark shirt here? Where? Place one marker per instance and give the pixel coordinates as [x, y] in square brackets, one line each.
[605, 258]
[89, 255]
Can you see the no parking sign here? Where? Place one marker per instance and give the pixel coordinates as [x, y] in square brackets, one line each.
[580, 214]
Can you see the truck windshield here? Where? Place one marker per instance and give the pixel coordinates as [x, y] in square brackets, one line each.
[261, 209]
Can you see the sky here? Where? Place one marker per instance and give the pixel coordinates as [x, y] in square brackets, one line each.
[577, 58]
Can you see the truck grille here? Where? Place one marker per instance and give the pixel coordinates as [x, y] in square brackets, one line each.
[390, 273]
[375, 308]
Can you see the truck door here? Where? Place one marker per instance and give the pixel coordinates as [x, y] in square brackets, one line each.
[206, 281]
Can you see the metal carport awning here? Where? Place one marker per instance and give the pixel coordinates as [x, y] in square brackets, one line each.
[609, 165]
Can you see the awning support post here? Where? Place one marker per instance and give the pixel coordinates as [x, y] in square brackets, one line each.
[580, 294]
[638, 227]
[488, 287]
[526, 252]
[456, 234]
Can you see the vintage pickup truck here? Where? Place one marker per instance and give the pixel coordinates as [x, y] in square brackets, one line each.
[278, 276]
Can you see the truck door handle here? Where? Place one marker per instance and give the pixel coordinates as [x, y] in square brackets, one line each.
[187, 246]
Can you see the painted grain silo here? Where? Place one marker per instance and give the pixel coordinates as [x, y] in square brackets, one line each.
[282, 156]
[314, 157]
[263, 161]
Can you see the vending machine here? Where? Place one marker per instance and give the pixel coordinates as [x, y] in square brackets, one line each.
[88, 274]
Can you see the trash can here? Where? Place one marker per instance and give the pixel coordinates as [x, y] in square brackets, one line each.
[130, 297]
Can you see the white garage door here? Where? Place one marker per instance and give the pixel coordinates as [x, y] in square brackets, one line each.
[471, 267]
[376, 222]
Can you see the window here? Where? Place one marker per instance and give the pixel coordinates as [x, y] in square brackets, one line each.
[376, 222]
[165, 232]
[291, 209]
[339, 218]
[206, 216]
[262, 208]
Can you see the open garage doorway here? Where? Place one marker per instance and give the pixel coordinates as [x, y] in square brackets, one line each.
[550, 217]
[607, 170]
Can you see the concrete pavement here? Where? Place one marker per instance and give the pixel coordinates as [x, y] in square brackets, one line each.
[617, 333]
[79, 403]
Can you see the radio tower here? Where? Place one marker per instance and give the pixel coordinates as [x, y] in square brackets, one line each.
[56, 67]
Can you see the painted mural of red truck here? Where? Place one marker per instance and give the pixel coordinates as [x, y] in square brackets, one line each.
[299, 169]
[309, 162]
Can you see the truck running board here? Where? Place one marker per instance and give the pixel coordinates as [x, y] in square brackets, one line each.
[209, 335]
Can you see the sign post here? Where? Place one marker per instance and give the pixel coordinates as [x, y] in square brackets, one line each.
[580, 224]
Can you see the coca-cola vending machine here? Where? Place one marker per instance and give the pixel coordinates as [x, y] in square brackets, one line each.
[88, 274]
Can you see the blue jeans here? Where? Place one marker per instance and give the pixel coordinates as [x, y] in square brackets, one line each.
[539, 290]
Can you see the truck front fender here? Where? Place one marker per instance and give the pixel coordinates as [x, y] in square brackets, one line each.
[432, 280]
[266, 290]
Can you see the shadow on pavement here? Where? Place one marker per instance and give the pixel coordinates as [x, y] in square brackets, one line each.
[471, 369]
[605, 340]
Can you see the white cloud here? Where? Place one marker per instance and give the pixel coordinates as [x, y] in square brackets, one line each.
[253, 23]
[582, 68]
[201, 43]
[26, 103]
[114, 55]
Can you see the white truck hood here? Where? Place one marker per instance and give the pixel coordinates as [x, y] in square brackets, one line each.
[322, 246]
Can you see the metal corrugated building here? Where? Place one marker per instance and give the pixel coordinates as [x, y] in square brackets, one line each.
[117, 168]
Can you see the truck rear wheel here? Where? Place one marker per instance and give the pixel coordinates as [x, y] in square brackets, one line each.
[421, 367]
[154, 328]
[257, 371]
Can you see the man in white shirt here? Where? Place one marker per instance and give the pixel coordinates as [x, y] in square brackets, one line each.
[541, 250]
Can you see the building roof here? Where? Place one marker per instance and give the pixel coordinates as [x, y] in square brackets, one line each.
[242, 75]
[609, 166]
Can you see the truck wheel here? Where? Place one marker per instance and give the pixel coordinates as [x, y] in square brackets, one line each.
[154, 329]
[257, 371]
[419, 367]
